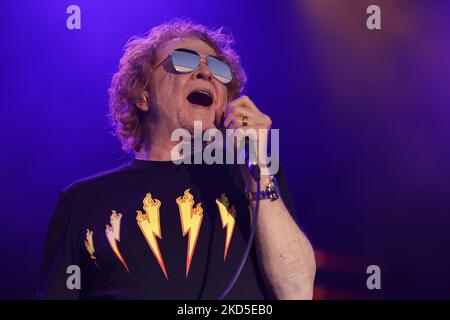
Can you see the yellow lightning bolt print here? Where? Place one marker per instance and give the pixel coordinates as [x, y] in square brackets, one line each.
[89, 244]
[191, 220]
[113, 235]
[227, 215]
[150, 226]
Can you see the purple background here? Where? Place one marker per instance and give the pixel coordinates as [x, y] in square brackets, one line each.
[363, 118]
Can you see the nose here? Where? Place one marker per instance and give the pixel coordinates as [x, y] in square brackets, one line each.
[203, 71]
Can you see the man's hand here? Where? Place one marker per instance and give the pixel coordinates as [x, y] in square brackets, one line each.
[243, 114]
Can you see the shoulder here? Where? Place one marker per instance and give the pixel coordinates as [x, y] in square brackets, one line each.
[108, 177]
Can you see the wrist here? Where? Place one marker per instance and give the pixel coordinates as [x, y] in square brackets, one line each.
[269, 191]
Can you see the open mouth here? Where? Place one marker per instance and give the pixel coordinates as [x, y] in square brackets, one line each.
[201, 98]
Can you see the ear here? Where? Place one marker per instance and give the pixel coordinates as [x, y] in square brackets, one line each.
[143, 102]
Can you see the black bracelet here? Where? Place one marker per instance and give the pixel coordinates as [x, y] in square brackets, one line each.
[271, 192]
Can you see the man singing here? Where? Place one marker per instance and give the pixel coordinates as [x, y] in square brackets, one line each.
[154, 229]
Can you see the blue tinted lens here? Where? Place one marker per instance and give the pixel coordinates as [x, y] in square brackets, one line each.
[220, 70]
[184, 60]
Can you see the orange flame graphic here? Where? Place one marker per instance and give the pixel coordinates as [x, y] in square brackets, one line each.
[227, 215]
[191, 220]
[150, 226]
[113, 236]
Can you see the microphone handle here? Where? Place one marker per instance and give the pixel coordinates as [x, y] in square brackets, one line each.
[254, 169]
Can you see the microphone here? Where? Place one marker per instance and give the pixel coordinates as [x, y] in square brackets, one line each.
[254, 169]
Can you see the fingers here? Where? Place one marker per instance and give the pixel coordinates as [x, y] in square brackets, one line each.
[240, 107]
[235, 118]
[241, 101]
[257, 120]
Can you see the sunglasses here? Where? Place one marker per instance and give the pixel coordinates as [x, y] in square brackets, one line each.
[186, 60]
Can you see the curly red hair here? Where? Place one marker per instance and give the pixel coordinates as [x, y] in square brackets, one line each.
[135, 71]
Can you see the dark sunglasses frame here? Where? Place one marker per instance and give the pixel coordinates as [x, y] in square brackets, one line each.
[220, 77]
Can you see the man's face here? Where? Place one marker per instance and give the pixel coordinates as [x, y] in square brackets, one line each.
[170, 89]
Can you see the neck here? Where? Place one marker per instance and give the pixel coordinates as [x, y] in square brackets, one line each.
[158, 145]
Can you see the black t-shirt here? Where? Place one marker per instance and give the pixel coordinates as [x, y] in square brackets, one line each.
[153, 230]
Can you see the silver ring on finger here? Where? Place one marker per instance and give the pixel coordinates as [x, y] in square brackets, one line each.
[244, 121]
